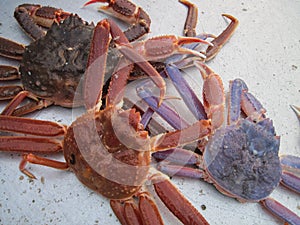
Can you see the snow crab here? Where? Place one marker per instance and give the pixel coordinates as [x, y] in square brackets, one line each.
[108, 149]
[52, 65]
[240, 158]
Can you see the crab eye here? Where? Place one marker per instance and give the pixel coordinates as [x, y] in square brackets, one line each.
[72, 160]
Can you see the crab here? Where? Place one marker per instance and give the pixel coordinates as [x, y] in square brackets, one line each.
[48, 79]
[241, 158]
[107, 147]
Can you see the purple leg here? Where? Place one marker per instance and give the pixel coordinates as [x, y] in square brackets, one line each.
[291, 170]
[280, 211]
[188, 95]
[146, 117]
[177, 170]
[168, 114]
[241, 99]
[290, 161]
[236, 88]
[179, 156]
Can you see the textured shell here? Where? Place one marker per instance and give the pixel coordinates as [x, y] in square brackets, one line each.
[53, 65]
[94, 151]
[242, 160]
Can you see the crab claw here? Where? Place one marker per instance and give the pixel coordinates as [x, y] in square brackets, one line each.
[162, 47]
[124, 10]
[128, 12]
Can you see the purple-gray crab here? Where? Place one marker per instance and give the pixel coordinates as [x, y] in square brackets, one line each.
[240, 158]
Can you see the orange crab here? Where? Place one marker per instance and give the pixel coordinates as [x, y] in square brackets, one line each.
[108, 149]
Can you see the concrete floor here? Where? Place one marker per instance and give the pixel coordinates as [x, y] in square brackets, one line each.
[264, 51]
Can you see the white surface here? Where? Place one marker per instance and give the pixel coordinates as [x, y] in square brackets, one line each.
[264, 51]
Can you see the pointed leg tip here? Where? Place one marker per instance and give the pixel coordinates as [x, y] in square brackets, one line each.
[296, 110]
[92, 2]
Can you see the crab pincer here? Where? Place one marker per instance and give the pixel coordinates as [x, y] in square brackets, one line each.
[219, 41]
[128, 12]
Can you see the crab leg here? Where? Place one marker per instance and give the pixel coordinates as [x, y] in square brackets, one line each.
[213, 95]
[191, 20]
[172, 139]
[31, 158]
[219, 41]
[145, 213]
[10, 49]
[11, 107]
[97, 59]
[9, 92]
[240, 98]
[179, 170]
[128, 12]
[9, 73]
[178, 156]
[175, 201]
[37, 129]
[280, 211]
[163, 110]
[156, 48]
[185, 91]
[291, 172]
[30, 126]
[93, 82]
[29, 16]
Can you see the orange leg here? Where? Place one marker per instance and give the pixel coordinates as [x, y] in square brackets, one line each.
[43, 137]
[173, 139]
[176, 202]
[40, 161]
[129, 212]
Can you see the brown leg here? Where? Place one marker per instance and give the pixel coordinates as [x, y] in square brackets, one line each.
[9, 73]
[191, 19]
[9, 92]
[10, 49]
[219, 41]
[30, 107]
[130, 13]
[32, 17]
[40, 161]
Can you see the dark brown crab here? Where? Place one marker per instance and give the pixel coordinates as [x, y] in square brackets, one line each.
[108, 150]
[52, 66]
[241, 159]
